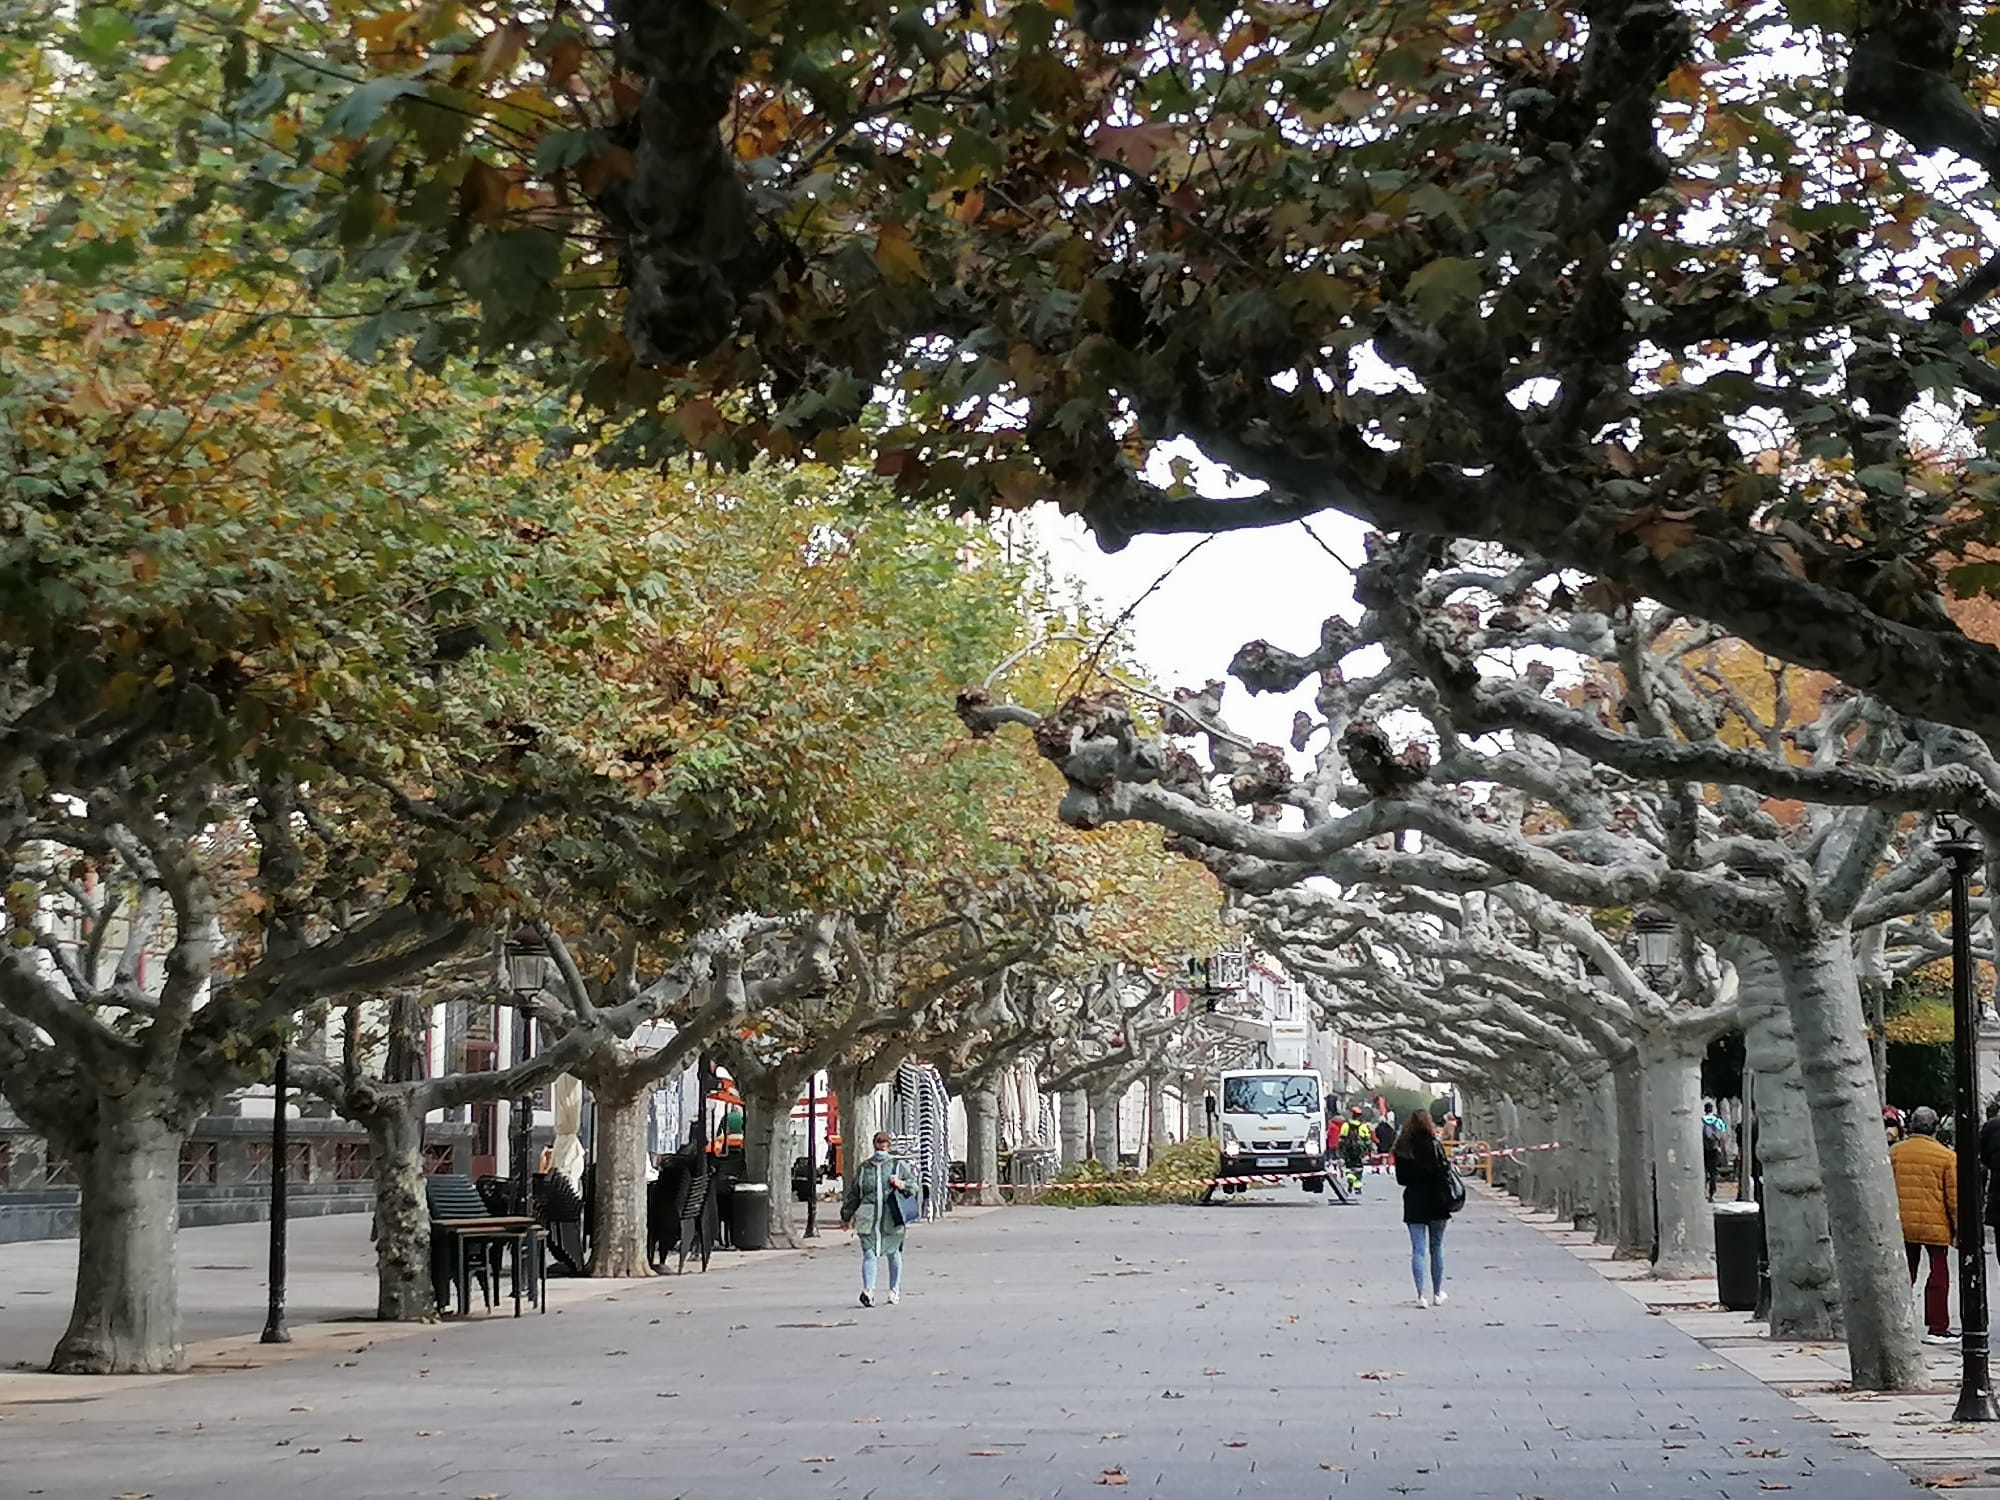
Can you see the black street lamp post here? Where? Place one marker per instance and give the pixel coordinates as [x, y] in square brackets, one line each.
[1975, 1385]
[275, 1331]
[528, 965]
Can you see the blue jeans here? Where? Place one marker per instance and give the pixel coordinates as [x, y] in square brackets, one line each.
[895, 1259]
[1427, 1236]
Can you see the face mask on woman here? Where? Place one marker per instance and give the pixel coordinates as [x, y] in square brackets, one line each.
[881, 1154]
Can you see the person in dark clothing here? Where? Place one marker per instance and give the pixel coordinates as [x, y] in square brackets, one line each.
[1989, 1158]
[1424, 1173]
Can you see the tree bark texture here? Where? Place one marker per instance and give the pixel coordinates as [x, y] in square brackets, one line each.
[126, 1316]
[1607, 1129]
[982, 1141]
[1672, 1068]
[1805, 1287]
[403, 1290]
[1876, 1308]
[767, 1153]
[1104, 1127]
[1635, 1187]
[1075, 1128]
[846, 1085]
[618, 1244]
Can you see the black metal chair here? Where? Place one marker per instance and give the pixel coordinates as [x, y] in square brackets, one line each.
[466, 1245]
[696, 1215]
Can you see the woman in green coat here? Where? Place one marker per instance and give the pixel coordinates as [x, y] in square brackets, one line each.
[866, 1209]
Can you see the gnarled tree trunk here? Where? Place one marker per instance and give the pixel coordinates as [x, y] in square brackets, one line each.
[1805, 1288]
[403, 1289]
[845, 1082]
[126, 1316]
[1672, 1069]
[618, 1200]
[1104, 1126]
[767, 1154]
[982, 1141]
[1882, 1346]
[1075, 1128]
[1635, 1185]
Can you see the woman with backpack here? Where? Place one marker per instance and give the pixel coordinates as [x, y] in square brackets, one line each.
[1432, 1193]
[880, 1203]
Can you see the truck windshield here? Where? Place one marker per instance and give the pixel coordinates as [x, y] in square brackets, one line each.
[1270, 1096]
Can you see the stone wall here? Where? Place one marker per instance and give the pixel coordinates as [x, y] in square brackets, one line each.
[225, 1173]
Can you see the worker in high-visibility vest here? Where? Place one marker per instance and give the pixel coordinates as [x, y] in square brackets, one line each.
[1357, 1139]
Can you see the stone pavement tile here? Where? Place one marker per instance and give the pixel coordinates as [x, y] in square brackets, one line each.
[1059, 1342]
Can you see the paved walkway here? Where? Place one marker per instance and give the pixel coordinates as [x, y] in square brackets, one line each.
[1261, 1347]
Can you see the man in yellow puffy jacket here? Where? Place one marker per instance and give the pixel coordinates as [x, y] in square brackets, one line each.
[1927, 1195]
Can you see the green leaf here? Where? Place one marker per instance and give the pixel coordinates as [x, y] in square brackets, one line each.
[100, 31]
[1441, 288]
[357, 113]
[511, 269]
[1886, 479]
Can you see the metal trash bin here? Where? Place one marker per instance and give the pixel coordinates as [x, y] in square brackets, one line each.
[1739, 1232]
[750, 1216]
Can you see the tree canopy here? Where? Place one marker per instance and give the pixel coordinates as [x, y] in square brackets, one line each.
[1691, 297]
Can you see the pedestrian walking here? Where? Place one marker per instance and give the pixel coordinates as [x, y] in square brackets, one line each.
[1927, 1195]
[878, 1207]
[1424, 1171]
[1714, 1144]
[1989, 1157]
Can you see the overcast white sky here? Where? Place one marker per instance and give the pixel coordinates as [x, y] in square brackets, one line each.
[1271, 584]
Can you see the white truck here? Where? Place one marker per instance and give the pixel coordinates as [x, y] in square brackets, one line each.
[1271, 1120]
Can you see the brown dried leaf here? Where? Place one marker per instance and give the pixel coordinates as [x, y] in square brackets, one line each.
[1113, 1476]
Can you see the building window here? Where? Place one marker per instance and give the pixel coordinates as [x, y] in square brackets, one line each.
[258, 1162]
[298, 1161]
[351, 1161]
[57, 1172]
[198, 1162]
[6, 1163]
[438, 1159]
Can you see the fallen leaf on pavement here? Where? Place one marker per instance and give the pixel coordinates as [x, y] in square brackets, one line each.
[816, 1460]
[1952, 1481]
[982, 1453]
[1385, 1414]
[350, 1438]
[427, 1434]
[1113, 1476]
[1764, 1453]
[1768, 1484]
[1708, 1367]
[1377, 1374]
[667, 1395]
[1335, 1468]
[1234, 1443]
[1215, 1372]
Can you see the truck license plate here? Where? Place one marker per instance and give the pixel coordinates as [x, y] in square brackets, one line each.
[1270, 1161]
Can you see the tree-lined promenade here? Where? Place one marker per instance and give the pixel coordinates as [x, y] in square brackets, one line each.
[479, 474]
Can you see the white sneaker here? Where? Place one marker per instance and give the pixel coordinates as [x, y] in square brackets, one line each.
[894, 1296]
[1422, 1300]
[1940, 1338]
[1440, 1299]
